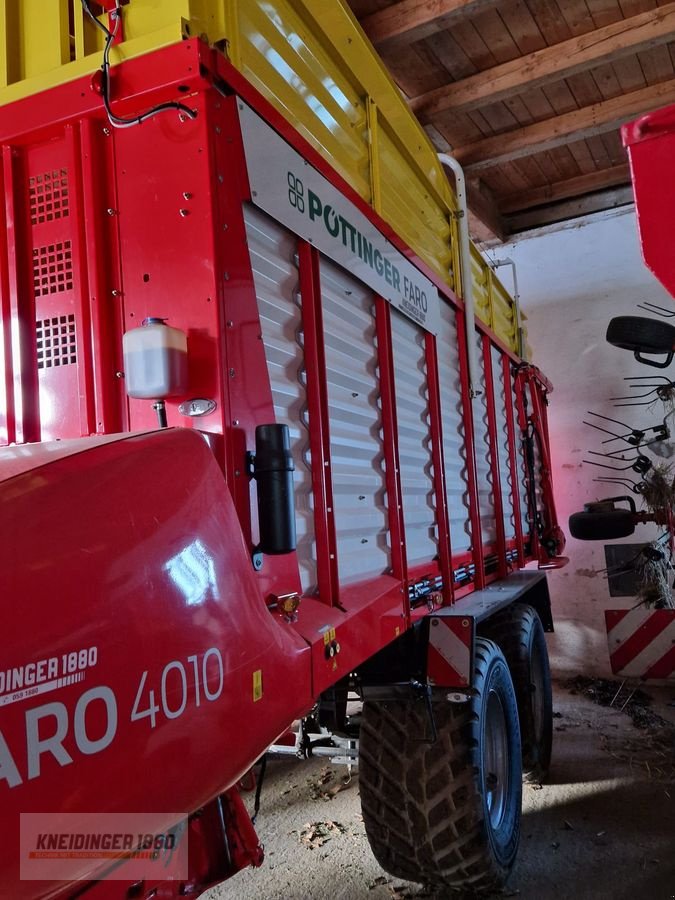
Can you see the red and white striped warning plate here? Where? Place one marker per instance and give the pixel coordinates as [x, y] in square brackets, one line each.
[449, 662]
[641, 642]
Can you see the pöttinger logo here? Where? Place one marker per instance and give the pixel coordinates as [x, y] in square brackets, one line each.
[296, 193]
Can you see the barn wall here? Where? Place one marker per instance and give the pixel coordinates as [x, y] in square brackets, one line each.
[572, 282]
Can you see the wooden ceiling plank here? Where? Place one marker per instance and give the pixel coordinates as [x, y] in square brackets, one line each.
[630, 75]
[584, 89]
[563, 190]
[451, 56]
[577, 15]
[598, 49]
[560, 97]
[471, 41]
[599, 152]
[583, 156]
[551, 24]
[606, 80]
[522, 26]
[613, 198]
[485, 220]
[537, 103]
[497, 36]
[582, 123]
[412, 20]
[565, 162]
[604, 12]
[656, 64]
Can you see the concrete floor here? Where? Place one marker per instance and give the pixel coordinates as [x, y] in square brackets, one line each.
[603, 827]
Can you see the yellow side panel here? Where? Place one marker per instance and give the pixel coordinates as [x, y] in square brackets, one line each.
[311, 60]
[406, 200]
[281, 55]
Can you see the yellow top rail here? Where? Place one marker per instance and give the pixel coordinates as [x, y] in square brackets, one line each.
[311, 60]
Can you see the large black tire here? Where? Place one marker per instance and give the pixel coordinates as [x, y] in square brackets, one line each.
[640, 335]
[637, 333]
[445, 813]
[520, 635]
[602, 526]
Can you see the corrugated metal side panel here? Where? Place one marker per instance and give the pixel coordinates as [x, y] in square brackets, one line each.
[503, 443]
[275, 274]
[454, 448]
[414, 440]
[357, 452]
[483, 455]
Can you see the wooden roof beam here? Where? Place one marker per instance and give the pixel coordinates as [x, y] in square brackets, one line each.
[604, 45]
[601, 201]
[563, 190]
[413, 20]
[559, 130]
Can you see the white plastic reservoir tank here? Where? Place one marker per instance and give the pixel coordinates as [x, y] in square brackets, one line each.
[155, 360]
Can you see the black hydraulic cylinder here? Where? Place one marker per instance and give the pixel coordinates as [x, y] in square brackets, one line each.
[273, 471]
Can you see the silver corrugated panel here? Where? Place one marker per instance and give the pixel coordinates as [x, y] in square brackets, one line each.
[275, 275]
[357, 451]
[503, 443]
[414, 440]
[483, 456]
[454, 449]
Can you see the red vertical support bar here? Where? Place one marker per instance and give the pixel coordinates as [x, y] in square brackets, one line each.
[494, 457]
[7, 417]
[106, 313]
[521, 407]
[513, 459]
[470, 450]
[85, 381]
[399, 562]
[442, 518]
[319, 431]
[21, 309]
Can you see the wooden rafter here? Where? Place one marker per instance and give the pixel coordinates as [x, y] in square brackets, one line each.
[554, 132]
[604, 45]
[571, 209]
[563, 190]
[413, 20]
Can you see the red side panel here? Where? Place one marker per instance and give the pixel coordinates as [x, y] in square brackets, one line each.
[650, 141]
[142, 670]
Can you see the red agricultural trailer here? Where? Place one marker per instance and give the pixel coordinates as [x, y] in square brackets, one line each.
[252, 464]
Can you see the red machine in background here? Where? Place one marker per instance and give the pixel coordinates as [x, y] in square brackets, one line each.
[335, 506]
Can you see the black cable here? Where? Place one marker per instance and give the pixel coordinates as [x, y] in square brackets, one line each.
[258, 788]
[118, 121]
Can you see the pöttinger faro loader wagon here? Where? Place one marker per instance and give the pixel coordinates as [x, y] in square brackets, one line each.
[269, 438]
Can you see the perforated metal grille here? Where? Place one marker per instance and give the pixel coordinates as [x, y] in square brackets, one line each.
[48, 195]
[56, 342]
[53, 269]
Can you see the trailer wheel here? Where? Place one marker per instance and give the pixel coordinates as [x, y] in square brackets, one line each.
[602, 526]
[445, 813]
[640, 335]
[519, 634]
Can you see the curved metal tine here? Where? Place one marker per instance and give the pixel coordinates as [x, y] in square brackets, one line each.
[639, 403]
[624, 482]
[648, 306]
[615, 437]
[612, 454]
[607, 419]
[591, 462]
